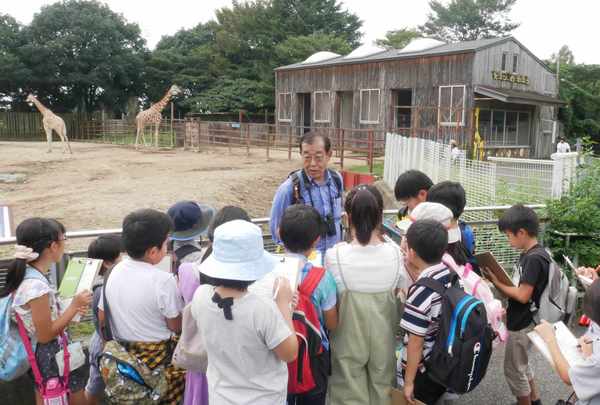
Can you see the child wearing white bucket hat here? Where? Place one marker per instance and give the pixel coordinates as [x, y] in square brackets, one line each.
[248, 338]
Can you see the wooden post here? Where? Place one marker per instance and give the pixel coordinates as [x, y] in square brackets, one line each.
[247, 139]
[172, 115]
[342, 148]
[370, 153]
[290, 134]
[268, 142]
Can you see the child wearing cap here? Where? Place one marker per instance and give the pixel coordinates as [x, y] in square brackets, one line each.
[190, 222]
[248, 338]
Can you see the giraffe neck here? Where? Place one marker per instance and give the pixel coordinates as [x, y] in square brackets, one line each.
[163, 102]
[40, 106]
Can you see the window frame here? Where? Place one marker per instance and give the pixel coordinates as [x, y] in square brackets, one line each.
[504, 143]
[289, 110]
[367, 121]
[451, 87]
[504, 61]
[515, 62]
[328, 110]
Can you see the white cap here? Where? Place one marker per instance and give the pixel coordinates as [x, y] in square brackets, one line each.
[437, 212]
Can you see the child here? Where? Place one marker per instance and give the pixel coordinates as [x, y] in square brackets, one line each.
[369, 273]
[248, 338]
[41, 243]
[107, 248]
[299, 230]
[453, 196]
[521, 226]
[196, 389]
[190, 221]
[583, 377]
[410, 190]
[426, 242]
[144, 302]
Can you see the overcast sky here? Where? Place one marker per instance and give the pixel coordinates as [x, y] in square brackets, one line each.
[546, 25]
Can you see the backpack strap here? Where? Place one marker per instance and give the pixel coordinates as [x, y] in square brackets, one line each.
[107, 334]
[337, 179]
[432, 284]
[312, 280]
[185, 250]
[296, 192]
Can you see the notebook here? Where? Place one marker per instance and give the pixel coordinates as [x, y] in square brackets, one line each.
[568, 345]
[79, 276]
[288, 268]
[487, 260]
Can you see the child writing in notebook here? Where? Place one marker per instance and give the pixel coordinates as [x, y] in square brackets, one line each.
[41, 243]
[583, 377]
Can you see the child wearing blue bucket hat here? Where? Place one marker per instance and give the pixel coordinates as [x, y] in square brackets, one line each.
[248, 338]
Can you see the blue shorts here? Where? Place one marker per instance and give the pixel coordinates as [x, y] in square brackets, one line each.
[95, 383]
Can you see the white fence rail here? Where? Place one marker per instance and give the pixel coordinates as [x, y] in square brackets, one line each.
[498, 181]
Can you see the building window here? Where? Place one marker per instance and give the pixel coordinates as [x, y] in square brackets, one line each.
[549, 83]
[322, 106]
[500, 127]
[369, 106]
[451, 105]
[515, 64]
[285, 107]
[504, 61]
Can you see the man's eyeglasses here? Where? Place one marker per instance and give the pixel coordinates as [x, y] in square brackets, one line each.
[317, 158]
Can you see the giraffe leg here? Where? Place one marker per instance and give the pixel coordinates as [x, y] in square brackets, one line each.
[49, 138]
[137, 135]
[65, 139]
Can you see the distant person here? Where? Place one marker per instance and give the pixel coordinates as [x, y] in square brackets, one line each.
[455, 152]
[521, 226]
[370, 277]
[40, 244]
[107, 248]
[410, 190]
[562, 146]
[190, 222]
[315, 185]
[248, 338]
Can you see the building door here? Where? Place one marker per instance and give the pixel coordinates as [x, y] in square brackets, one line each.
[345, 112]
[304, 110]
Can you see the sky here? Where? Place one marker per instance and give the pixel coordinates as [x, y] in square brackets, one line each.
[546, 25]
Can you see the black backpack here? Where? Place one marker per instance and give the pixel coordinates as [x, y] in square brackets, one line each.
[463, 346]
[180, 253]
[298, 177]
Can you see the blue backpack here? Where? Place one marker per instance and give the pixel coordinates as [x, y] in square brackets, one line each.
[13, 356]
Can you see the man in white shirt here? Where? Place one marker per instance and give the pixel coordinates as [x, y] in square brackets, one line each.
[562, 146]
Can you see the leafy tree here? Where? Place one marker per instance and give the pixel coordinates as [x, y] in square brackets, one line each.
[12, 70]
[398, 39]
[565, 55]
[84, 56]
[465, 20]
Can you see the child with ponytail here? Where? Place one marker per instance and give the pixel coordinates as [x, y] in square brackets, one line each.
[40, 243]
[369, 273]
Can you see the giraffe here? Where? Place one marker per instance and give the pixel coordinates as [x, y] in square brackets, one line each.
[153, 116]
[51, 122]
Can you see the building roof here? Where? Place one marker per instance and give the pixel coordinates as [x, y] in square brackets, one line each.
[517, 96]
[397, 54]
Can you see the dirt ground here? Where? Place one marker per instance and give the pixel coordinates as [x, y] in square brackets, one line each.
[99, 184]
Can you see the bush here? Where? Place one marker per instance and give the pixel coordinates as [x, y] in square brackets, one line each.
[578, 212]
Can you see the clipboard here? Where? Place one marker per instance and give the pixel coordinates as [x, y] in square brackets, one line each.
[568, 345]
[586, 282]
[488, 261]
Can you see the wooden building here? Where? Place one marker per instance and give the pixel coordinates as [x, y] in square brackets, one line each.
[494, 87]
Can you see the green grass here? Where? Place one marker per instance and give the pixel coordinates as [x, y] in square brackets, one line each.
[377, 169]
[164, 139]
[81, 330]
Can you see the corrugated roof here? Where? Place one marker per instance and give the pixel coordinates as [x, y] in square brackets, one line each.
[395, 54]
[517, 96]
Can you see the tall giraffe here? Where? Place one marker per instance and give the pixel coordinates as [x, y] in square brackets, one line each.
[51, 122]
[153, 116]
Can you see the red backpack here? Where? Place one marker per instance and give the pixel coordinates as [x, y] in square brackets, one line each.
[309, 370]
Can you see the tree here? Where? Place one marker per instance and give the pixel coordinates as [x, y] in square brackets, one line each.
[84, 56]
[565, 55]
[12, 70]
[398, 39]
[466, 20]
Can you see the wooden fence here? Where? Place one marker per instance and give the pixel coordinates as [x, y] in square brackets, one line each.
[27, 126]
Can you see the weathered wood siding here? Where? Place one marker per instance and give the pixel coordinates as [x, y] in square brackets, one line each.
[541, 80]
[423, 75]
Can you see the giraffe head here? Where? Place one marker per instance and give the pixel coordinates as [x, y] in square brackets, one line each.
[175, 90]
[30, 98]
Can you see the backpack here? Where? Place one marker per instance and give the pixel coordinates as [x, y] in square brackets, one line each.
[468, 241]
[558, 297]
[127, 379]
[296, 193]
[13, 356]
[180, 253]
[310, 369]
[463, 347]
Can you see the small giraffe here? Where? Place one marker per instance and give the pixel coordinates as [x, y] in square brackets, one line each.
[153, 116]
[51, 122]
